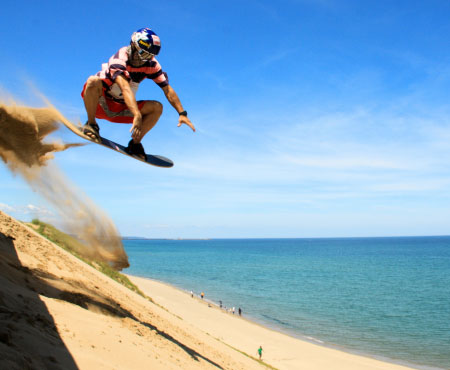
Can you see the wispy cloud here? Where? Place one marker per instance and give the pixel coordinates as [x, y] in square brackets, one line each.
[6, 208]
[26, 210]
[364, 152]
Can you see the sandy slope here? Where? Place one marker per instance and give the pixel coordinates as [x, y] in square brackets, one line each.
[56, 312]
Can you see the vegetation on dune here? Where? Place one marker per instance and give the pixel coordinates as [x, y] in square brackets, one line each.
[73, 246]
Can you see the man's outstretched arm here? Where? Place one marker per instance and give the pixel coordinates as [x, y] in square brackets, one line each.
[173, 99]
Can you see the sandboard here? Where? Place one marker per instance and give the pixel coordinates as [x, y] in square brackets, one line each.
[154, 160]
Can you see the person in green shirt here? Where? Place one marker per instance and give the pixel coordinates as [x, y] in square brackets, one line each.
[260, 352]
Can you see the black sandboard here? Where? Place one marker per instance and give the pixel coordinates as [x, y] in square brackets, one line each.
[154, 160]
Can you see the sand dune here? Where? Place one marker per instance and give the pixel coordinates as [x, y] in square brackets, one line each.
[57, 312]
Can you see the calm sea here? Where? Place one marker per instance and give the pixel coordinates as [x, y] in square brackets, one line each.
[383, 297]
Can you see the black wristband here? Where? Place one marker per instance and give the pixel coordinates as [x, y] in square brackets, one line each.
[183, 113]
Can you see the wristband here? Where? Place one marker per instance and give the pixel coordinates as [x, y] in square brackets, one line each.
[183, 113]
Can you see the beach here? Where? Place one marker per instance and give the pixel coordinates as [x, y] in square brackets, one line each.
[279, 350]
[59, 312]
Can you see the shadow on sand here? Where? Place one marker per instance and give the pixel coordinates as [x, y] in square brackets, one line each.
[28, 330]
[28, 335]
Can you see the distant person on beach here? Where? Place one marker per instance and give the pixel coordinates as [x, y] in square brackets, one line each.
[203, 295]
[260, 352]
[192, 294]
[240, 311]
[220, 303]
[111, 93]
[233, 310]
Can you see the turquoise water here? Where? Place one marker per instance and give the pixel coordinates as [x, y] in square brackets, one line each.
[384, 297]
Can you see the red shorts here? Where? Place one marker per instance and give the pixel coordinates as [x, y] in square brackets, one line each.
[112, 110]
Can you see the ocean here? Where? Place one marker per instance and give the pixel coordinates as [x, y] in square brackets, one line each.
[387, 298]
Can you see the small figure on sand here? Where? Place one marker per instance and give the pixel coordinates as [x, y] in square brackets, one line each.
[240, 311]
[192, 294]
[260, 352]
[203, 295]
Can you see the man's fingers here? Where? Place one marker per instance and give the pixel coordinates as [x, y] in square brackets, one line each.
[191, 126]
[187, 123]
[135, 132]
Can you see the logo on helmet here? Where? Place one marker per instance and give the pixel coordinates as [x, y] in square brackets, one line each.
[137, 36]
[146, 44]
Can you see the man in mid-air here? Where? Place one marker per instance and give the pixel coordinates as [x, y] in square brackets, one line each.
[111, 93]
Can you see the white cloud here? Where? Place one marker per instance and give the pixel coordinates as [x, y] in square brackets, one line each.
[26, 210]
[6, 208]
[345, 162]
[317, 159]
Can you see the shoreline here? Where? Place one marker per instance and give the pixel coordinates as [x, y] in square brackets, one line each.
[280, 349]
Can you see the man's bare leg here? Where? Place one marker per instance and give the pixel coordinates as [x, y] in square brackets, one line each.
[92, 95]
[151, 111]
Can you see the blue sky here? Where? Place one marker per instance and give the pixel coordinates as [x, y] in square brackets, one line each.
[315, 118]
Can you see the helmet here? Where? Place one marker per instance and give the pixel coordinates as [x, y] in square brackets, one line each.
[146, 42]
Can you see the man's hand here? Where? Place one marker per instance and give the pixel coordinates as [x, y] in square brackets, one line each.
[136, 129]
[186, 121]
[173, 99]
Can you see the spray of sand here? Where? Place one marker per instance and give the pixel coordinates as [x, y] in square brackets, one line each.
[22, 148]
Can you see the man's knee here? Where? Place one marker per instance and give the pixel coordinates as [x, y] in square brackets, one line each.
[152, 106]
[94, 83]
[159, 107]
